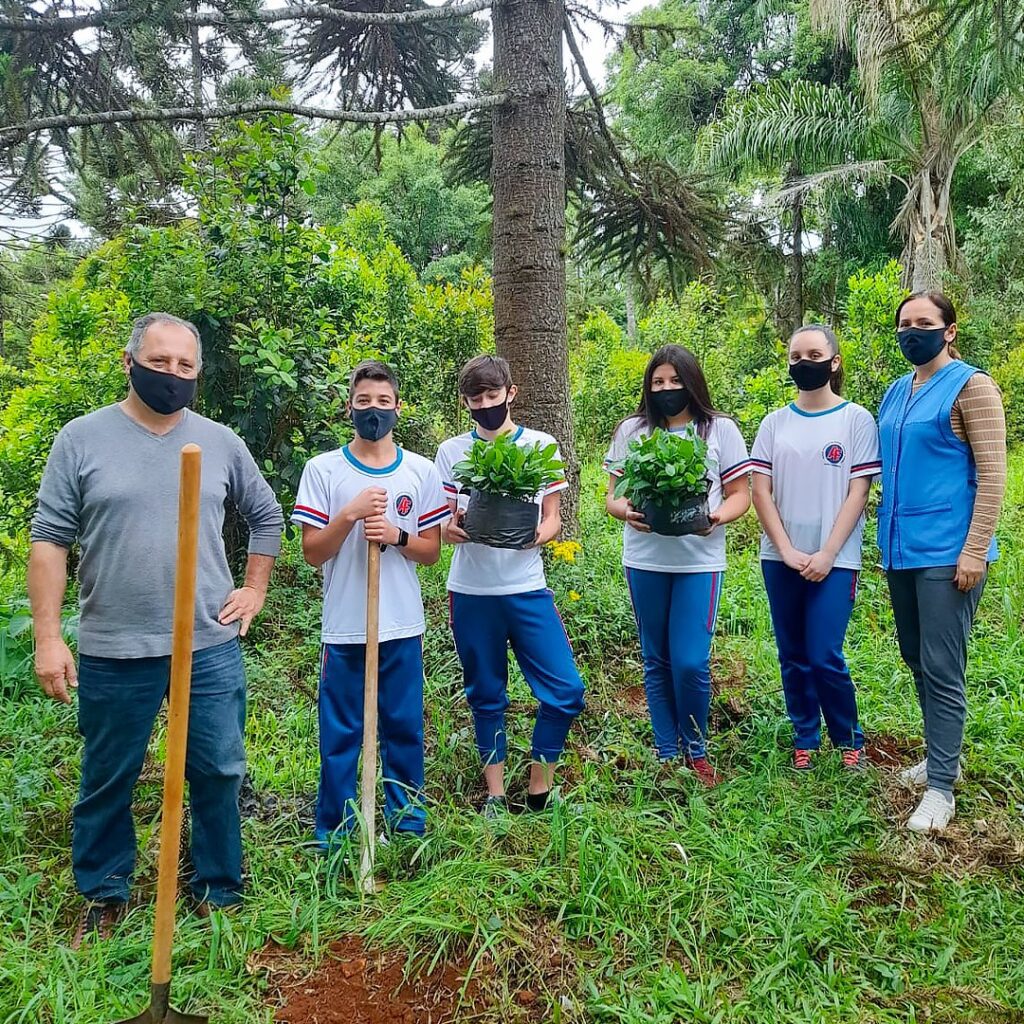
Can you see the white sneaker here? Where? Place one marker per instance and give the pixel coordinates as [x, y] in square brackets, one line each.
[934, 812]
[916, 776]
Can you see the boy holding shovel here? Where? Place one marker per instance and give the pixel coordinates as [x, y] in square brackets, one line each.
[372, 491]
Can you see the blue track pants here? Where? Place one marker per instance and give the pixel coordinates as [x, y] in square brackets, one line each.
[399, 730]
[810, 621]
[676, 614]
[484, 627]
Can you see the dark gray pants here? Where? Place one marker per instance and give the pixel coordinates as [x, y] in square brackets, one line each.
[933, 621]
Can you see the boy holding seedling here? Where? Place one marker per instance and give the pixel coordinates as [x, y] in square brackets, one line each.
[499, 597]
[371, 491]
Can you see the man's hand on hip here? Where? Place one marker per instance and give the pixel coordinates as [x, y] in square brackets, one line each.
[55, 669]
[243, 604]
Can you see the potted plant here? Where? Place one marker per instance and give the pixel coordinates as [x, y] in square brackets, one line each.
[665, 476]
[504, 479]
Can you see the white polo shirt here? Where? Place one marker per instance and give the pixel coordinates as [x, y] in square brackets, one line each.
[727, 460]
[811, 458]
[477, 568]
[416, 502]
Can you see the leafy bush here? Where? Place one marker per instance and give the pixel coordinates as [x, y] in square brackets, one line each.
[666, 468]
[285, 310]
[606, 377]
[74, 368]
[871, 353]
[503, 467]
[1009, 375]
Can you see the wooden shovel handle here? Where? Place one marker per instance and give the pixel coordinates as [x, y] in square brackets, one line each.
[369, 777]
[177, 710]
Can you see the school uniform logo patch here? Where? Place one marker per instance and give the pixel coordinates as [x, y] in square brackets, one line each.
[834, 453]
[403, 504]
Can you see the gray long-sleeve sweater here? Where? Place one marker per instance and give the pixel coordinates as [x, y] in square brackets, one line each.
[112, 485]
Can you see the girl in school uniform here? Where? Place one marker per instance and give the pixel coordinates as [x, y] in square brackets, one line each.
[943, 440]
[813, 463]
[676, 582]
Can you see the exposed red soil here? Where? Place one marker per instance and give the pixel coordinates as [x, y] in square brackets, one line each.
[632, 701]
[890, 752]
[359, 986]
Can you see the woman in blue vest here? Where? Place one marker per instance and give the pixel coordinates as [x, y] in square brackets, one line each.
[943, 448]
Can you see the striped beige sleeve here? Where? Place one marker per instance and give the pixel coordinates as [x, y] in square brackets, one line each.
[978, 418]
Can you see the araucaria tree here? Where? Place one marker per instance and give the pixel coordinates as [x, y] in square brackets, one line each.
[381, 62]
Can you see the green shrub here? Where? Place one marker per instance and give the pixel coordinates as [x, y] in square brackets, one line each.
[285, 310]
[606, 377]
[871, 353]
[1009, 375]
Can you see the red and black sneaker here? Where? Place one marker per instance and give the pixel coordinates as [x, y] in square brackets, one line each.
[98, 919]
[853, 760]
[704, 770]
[802, 759]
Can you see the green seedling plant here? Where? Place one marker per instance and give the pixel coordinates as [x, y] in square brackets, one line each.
[667, 469]
[505, 468]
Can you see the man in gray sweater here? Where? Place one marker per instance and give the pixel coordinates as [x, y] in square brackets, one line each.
[111, 485]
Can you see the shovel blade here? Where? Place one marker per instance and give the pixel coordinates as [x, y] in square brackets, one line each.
[160, 1011]
[172, 1016]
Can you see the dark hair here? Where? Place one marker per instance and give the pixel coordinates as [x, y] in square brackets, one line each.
[942, 304]
[684, 362]
[373, 369]
[484, 373]
[838, 376]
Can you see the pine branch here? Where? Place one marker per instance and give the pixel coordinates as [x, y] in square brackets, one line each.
[44, 24]
[595, 97]
[15, 132]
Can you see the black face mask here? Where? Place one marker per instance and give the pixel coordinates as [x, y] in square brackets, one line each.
[164, 393]
[373, 424]
[811, 374]
[492, 417]
[922, 344]
[668, 403]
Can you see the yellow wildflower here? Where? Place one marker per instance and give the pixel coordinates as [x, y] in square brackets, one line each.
[565, 550]
[573, 596]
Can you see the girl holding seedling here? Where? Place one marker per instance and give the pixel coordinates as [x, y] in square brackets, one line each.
[943, 441]
[676, 448]
[813, 464]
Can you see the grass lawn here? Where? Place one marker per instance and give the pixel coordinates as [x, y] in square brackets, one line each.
[642, 899]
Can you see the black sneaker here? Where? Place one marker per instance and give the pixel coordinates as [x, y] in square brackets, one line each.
[494, 807]
[98, 919]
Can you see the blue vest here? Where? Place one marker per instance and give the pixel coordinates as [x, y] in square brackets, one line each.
[929, 477]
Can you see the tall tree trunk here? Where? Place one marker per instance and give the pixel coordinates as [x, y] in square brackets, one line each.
[926, 250]
[796, 266]
[528, 181]
[199, 132]
[630, 288]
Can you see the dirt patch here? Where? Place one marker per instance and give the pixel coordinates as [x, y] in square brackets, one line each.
[355, 985]
[886, 751]
[632, 701]
[728, 672]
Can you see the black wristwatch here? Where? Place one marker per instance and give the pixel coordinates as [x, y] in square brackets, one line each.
[403, 538]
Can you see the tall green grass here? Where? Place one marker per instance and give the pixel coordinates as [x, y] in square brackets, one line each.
[641, 898]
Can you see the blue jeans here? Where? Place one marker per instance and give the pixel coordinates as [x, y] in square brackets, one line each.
[399, 731]
[810, 621]
[484, 626]
[676, 613]
[118, 701]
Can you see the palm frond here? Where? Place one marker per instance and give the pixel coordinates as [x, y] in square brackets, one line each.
[780, 122]
[860, 171]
